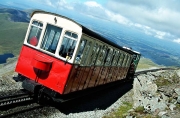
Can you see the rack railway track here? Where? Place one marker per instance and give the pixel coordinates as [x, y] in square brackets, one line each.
[151, 70]
[9, 104]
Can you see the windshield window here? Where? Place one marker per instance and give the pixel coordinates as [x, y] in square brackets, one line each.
[68, 44]
[51, 38]
[35, 32]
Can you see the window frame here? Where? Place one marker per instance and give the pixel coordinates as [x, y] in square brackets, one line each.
[61, 41]
[29, 31]
[44, 33]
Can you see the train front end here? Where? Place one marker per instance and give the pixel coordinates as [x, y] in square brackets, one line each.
[48, 52]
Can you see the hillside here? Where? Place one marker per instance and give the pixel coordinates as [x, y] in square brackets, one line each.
[11, 32]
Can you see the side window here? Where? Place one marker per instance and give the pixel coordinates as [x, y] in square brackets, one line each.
[129, 61]
[96, 50]
[120, 62]
[68, 44]
[35, 33]
[101, 56]
[80, 52]
[92, 54]
[116, 57]
[86, 53]
[109, 57]
[125, 60]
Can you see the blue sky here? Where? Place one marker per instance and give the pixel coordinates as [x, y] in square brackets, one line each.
[158, 18]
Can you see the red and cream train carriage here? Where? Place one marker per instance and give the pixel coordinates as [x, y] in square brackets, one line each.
[62, 56]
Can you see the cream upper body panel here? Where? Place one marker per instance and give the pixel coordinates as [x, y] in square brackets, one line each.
[67, 25]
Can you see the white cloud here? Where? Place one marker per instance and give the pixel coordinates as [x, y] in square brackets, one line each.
[177, 40]
[92, 4]
[49, 3]
[117, 18]
[158, 15]
[62, 4]
[158, 19]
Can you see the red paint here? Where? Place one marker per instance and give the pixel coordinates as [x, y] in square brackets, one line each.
[34, 41]
[44, 69]
[41, 63]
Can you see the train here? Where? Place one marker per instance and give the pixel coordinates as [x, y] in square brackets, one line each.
[61, 58]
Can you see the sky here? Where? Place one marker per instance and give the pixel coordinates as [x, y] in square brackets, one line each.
[157, 18]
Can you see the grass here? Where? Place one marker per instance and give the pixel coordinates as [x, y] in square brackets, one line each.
[139, 109]
[11, 34]
[120, 113]
[145, 63]
[162, 82]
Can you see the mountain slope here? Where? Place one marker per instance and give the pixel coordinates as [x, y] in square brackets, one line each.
[11, 33]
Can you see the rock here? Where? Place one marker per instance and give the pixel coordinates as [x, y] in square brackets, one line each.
[165, 116]
[151, 77]
[177, 90]
[161, 113]
[156, 112]
[172, 106]
[178, 72]
[156, 74]
[178, 99]
[129, 116]
[145, 95]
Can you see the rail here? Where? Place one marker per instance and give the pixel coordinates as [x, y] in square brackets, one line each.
[151, 70]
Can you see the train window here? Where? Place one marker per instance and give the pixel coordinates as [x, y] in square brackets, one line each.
[125, 60]
[116, 57]
[109, 57]
[35, 32]
[101, 56]
[86, 53]
[129, 61]
[68, 44]
[51, 38]
[92, 54]
[121, 59]
[81, 48]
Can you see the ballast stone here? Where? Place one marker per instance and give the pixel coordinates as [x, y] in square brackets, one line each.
[178, 72]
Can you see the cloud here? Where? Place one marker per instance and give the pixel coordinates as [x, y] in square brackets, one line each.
[117, 18]
[160, 16]
[49, 3]
[92, 4]
[155, 18]
[177, 40]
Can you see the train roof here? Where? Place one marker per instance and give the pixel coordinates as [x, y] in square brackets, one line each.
[89, 32]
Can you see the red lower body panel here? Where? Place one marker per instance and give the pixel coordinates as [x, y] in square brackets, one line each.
[44, 69]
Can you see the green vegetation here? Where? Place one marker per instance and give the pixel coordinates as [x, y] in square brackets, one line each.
[139, 109]
[11, 34]
[121, 112]
[145, 63]
[162, 82]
